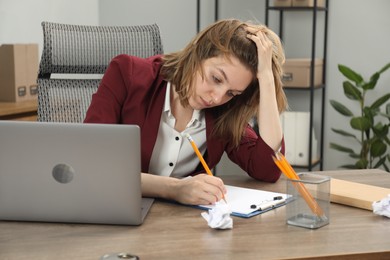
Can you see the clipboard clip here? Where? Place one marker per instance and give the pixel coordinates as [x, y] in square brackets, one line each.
[269, 204]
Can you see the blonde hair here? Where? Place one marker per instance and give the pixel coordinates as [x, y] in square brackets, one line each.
[229, 38]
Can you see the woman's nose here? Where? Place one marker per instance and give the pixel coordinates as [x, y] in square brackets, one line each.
[217, 95]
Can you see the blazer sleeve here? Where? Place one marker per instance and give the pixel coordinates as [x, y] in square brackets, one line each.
[106, 103]
[254, 156]
[127, 90]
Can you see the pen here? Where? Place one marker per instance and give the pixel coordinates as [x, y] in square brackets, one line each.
[201, 159]
[205, 166]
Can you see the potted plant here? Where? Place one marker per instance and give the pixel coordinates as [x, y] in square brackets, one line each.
[369, 125]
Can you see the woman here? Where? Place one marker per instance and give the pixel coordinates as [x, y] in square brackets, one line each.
[230, 72]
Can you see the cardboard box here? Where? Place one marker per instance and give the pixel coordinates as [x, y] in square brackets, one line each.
[18, 72]
[282, 3]
[296, 73]
[308, 3]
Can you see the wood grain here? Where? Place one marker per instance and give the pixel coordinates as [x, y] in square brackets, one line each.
[173, 231]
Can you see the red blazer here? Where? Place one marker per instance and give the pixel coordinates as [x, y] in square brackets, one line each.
[132, 92]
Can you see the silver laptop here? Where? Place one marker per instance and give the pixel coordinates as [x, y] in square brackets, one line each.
[72, 173]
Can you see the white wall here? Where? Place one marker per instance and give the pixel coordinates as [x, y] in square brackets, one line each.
[175, 18]
[20, 20]
[358, 35]
[359, 38]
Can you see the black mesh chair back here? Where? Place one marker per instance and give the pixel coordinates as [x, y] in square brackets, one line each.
[74, 57]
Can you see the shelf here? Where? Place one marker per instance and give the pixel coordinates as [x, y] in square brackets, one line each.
[305, 88]
[296, 8]
[312, 101]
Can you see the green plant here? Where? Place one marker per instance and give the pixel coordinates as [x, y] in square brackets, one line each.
[370, 122]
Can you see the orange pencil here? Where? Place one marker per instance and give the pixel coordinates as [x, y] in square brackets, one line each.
[201, 159]
[289, 172]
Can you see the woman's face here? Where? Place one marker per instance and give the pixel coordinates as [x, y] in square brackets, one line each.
[223, 79]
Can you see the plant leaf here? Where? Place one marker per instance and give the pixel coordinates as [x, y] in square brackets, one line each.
[361, 164]
[370, 113]
[378, 148]
[380, 101]
[342, 132]
[341, 108]
[380, 162]
[351, 91]
[350, 74]
[354, 155]
[380, 130]
[387, 66]
[372, 83]
[341, 148]
[360, 123]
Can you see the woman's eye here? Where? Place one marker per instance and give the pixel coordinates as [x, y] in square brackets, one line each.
[230, 94]
[217, 80]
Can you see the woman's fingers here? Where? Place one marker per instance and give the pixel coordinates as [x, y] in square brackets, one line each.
[259, 37]
[212, 188]
[201, 189]
[264, 48]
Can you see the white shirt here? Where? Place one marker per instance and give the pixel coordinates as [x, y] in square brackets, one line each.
[173, 154]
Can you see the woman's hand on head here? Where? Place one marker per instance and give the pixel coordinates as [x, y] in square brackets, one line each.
[264, 49]
[201, 189]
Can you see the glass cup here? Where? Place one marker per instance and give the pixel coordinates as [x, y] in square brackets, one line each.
[308, 201]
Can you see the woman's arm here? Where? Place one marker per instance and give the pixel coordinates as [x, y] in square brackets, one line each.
[268, 116]
[254, 154]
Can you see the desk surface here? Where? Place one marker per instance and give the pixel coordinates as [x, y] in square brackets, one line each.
[24, 110]
[177, 232]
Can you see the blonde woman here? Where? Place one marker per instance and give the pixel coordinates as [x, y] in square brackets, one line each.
[229, 73]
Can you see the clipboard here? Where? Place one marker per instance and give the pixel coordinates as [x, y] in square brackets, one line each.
[243, 200]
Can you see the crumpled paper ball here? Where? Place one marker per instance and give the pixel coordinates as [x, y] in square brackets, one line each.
[382, 207]
[218, 217]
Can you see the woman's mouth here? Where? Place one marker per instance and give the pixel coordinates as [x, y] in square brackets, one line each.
[205, 103]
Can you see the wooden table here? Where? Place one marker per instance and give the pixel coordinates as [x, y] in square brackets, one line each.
[24, 110]
[178, 232]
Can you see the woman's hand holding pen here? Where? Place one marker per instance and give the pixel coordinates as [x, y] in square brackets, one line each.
[201, 189]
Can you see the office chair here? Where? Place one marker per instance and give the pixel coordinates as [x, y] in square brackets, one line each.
[74, 57]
